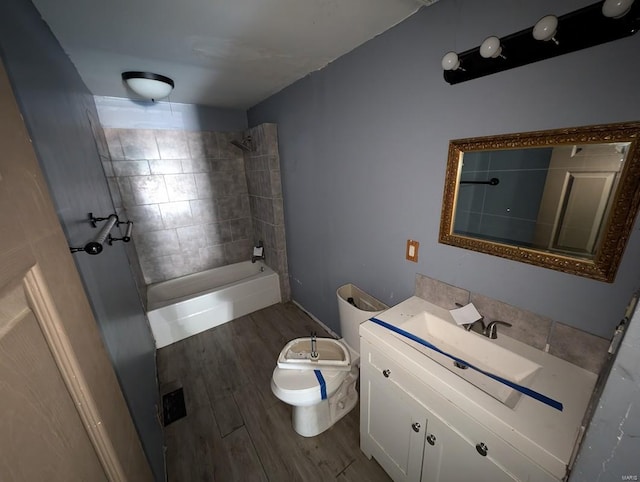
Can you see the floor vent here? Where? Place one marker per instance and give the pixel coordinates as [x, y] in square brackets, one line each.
[173, 407]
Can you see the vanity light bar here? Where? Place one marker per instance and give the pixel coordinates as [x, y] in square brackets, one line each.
[583, 28]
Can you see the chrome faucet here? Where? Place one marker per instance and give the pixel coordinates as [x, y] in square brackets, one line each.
[258, 249]
[314, 353]
[492, 330]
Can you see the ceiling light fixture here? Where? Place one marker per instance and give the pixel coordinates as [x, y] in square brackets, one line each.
[148, 85]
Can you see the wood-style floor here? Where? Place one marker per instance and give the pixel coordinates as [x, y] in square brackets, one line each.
[235, 428]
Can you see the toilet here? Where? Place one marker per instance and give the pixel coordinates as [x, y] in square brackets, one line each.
[322, 389]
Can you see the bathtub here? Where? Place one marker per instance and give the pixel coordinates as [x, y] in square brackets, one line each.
[183, 307]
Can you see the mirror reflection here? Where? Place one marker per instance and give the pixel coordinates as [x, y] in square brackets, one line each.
[562, 199]
[555, 199]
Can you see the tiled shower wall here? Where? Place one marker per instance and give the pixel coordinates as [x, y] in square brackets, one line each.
[186, 193]
[265, 199]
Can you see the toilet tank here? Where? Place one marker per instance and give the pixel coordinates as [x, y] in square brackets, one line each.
[355, 306]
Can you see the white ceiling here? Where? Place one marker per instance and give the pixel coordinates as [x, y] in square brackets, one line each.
[224, 53]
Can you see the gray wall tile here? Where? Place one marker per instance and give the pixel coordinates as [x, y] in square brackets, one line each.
[145, 218]
[213, 256]
[233, 207]
[439, 293]
[172, 144]
[199, 164]
[113, 144]
[126, 191]
[196, 144]
[115, 192]
[258, 163]
[149, 189]
[237, 251]
[204, 211]
[274, 163]
[217, 233]
[528, 327]
[578, 347]
[107, 166]
[230, 164]
[204, 185]
[278, 211]
[131, 168]
[157, 243]
[165, 166]
[181, 187]
[227, 150]
[275, 184]
[191, 190]
[176, 214]
[191, 238]
[240, 229]
[139, 144]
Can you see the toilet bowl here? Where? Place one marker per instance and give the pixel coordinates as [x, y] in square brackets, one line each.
[319, 397]
[322, 389]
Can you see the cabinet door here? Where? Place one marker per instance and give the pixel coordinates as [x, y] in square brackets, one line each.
[392, 428]
[450, 457]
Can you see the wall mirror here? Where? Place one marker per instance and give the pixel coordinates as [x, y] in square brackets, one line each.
[562, 199]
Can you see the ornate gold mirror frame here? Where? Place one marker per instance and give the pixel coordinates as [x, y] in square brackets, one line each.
[616, 228]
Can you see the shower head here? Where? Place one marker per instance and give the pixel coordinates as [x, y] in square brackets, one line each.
[246, 144]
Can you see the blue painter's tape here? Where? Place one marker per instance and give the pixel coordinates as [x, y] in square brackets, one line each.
[323, 385]
[527, 391]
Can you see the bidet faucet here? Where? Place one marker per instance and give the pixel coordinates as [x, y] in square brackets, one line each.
[314, 353]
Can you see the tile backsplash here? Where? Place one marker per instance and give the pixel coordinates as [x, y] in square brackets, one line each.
[563, 341]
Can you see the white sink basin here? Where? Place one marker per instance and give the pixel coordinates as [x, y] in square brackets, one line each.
[330, 354]
[475, 349]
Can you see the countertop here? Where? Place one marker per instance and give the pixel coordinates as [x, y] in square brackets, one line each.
[546, 435]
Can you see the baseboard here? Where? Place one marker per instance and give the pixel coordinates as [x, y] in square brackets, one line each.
[333, 333]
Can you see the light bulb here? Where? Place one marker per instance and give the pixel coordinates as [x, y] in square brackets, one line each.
[491, 48]
[450, 61]
[616, 8]
[546, 28]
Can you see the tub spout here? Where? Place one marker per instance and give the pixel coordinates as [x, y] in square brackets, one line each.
[258, 252]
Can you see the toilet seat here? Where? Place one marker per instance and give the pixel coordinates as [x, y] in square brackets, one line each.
[301, 387]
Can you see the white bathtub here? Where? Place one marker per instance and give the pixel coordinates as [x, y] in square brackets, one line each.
[185, 306]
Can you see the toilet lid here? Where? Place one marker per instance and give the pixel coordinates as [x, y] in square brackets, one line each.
[301, 387]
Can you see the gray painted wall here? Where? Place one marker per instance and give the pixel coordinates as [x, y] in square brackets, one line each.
[363, 147]
[56, 107]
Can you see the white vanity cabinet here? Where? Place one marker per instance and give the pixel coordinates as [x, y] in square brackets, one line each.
[416, 434]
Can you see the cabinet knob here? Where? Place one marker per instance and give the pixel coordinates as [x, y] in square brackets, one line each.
[482, 449]
[415, 426]
[431, 439]
[386, 373]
